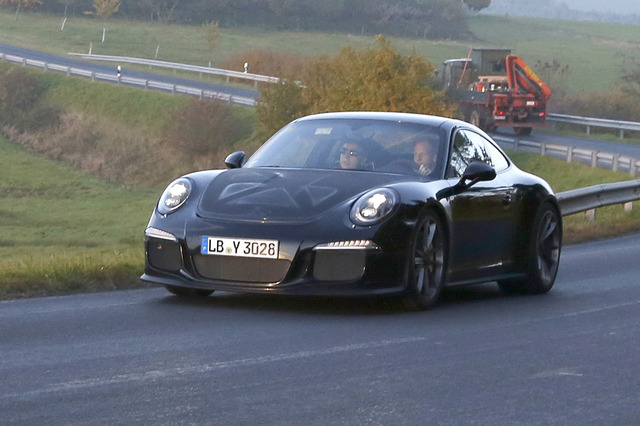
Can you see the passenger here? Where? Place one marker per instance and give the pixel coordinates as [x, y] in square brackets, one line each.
[424, 156]
[353, 156]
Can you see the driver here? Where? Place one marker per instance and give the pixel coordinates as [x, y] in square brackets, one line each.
[353, 156]
[424, 157]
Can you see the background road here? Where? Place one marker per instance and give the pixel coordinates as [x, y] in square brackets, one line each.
[69, 61]
[632, 151]
[569, 357]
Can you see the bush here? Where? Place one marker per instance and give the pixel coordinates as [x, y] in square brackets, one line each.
[279, 104]
[203, 127]
[615, 104]
[20, 94]
[378, 79]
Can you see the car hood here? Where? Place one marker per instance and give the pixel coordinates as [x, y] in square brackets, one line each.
[270, 194]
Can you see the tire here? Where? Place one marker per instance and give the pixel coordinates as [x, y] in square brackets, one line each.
[187, 292]
[543, 256]
[522, 131]
[426, 263]
[475, 118]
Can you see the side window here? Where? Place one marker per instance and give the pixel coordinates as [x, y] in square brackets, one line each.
[498, 160]
[469, 147]
[465, 150]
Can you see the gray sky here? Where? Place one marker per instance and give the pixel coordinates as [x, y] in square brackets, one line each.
[614, 6]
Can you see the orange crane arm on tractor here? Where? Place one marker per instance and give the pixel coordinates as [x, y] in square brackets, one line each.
[521, 76]
[502, 91]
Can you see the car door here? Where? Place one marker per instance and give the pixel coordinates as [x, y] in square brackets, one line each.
[482, 215]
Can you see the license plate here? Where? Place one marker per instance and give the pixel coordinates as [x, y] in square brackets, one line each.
[242, 247]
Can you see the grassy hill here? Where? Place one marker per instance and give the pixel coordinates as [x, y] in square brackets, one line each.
[62, 230]
[595, 52]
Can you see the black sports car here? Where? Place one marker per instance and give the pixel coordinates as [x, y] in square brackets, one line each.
[358, 203]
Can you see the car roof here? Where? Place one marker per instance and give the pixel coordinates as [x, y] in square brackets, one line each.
[431, 120]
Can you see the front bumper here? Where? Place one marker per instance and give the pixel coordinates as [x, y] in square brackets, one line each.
[357, 268]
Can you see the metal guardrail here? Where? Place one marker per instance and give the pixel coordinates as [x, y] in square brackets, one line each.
[615, 162]
[183, 67]
[592, 197]
[147, 84]
[590, 122]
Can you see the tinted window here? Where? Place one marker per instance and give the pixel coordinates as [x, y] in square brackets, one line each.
[361, 144]
[468, 147]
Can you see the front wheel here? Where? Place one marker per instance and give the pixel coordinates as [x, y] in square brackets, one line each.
[427, 263]
[543, 256]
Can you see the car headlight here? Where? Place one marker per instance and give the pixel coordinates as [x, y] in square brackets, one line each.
[374, 206]
[175, 196]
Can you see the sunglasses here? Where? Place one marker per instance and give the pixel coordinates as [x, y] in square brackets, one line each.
[346, 151]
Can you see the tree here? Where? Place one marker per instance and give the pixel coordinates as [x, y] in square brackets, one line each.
[379, 79]
[477, 4]
[279, 104]
[106, 8]
[66, 5]
[26, 4]
[213, 33]
[162, 10]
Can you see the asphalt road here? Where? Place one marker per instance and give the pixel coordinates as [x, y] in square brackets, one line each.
[625, 149]
[72, 61]
[482, 358]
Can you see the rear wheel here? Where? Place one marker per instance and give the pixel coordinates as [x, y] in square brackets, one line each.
[476, 119]
[187, 292]
[543, 256]
[427, 263]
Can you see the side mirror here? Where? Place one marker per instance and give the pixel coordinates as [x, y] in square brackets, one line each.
[235, 160]
[478, 171]
[474, 173]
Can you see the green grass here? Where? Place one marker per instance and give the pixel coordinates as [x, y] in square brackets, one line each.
[595, 52]
[64, 231]
[128, 105]
[610, 221]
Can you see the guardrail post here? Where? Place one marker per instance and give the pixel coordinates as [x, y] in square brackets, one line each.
[628, 206]
[594, 159]
[621, 133]
[590, 215]
[616, 160]
[588, 130]
[569, 154]
[93, 76]
[632, 167]
[543, 149]
[44, 67]
[516, 142]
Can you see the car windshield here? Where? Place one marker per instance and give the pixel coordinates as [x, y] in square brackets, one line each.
[356, 144]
